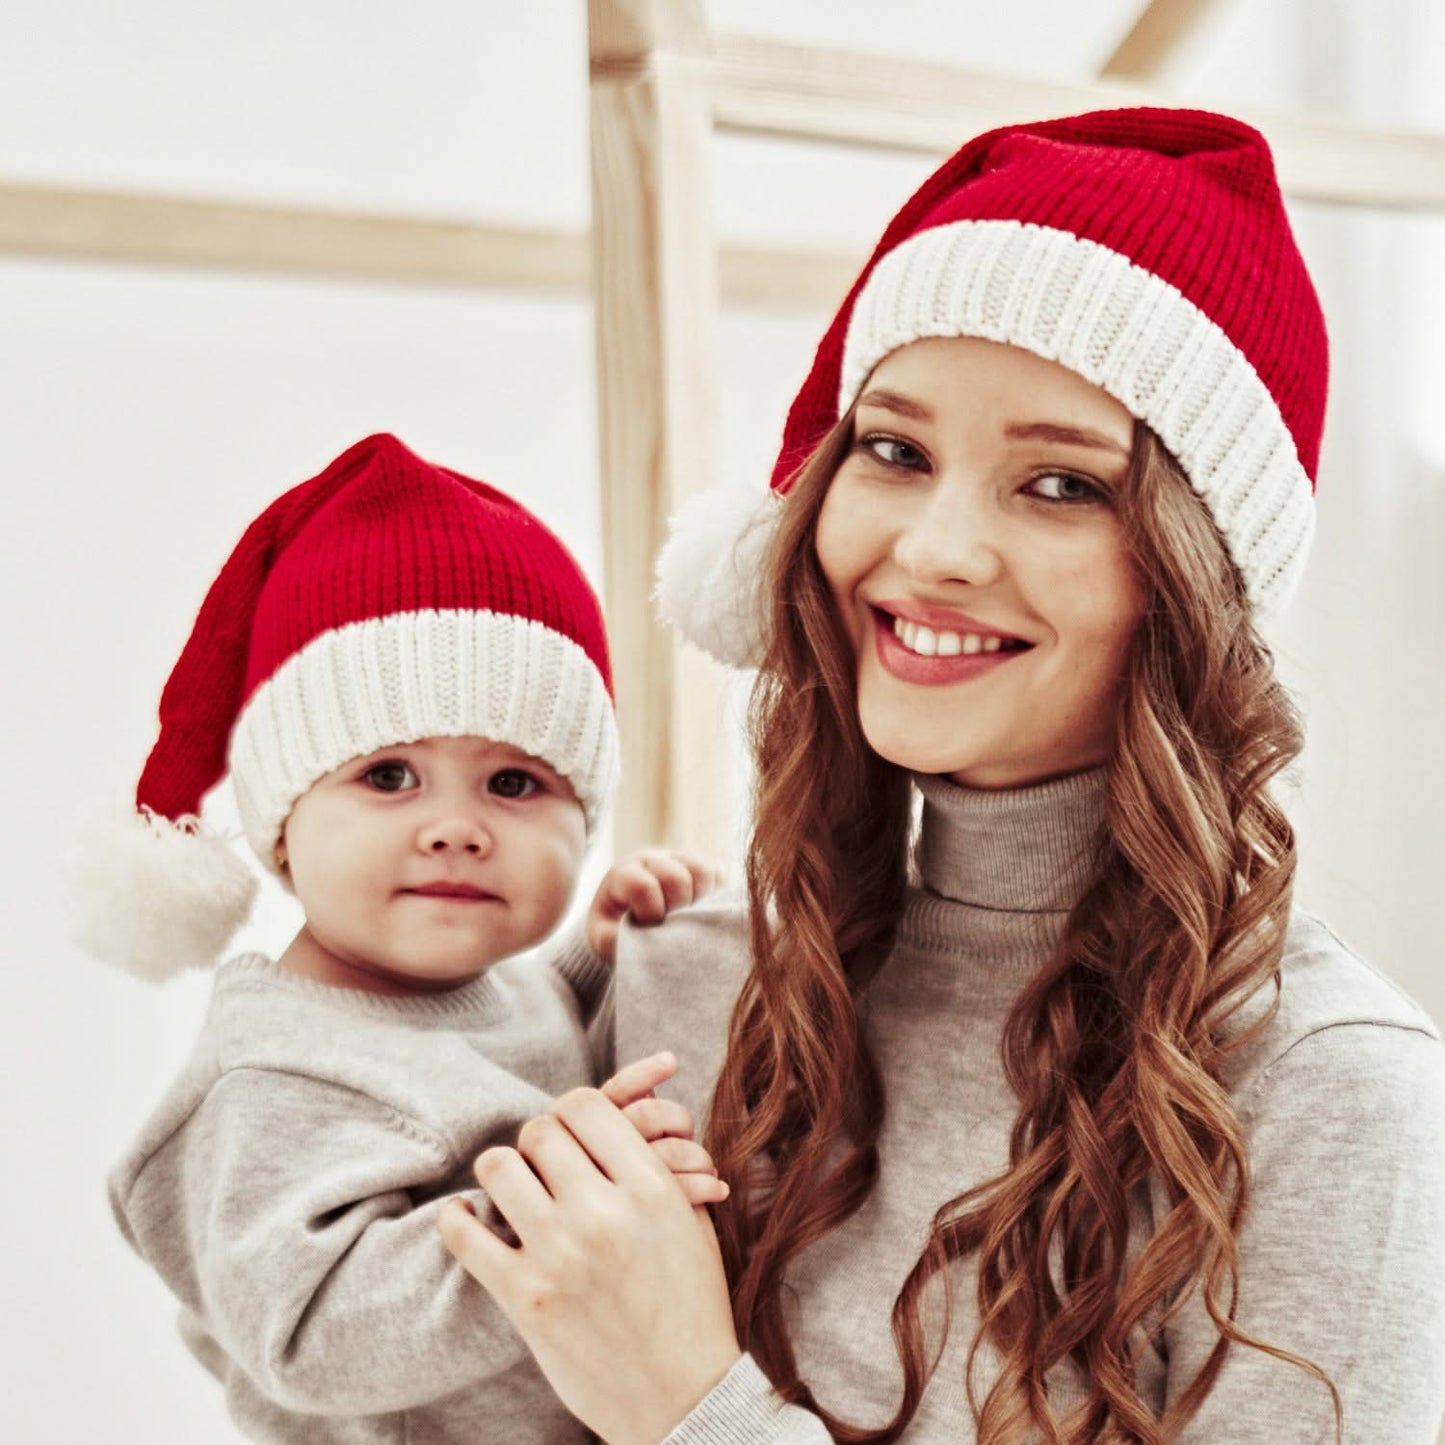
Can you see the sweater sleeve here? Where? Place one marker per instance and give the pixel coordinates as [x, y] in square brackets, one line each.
[591, 980]
[1340, 1254]
[743, 1409]
[284, 1215]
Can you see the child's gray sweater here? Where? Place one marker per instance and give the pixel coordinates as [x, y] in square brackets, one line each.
[287, 1186]
[1343, 1102]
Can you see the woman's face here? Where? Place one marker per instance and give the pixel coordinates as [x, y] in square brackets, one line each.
[979, 565]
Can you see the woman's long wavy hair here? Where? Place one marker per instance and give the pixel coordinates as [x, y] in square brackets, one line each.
[1115, 1048]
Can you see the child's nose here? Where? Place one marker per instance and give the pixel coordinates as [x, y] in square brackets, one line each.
[457, 834]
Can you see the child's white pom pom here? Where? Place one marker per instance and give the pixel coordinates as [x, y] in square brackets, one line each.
[153, 896]
[708, 572]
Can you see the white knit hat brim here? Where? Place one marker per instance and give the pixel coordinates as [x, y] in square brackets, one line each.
[1135, 336]
[413, 675]
[1067, 300]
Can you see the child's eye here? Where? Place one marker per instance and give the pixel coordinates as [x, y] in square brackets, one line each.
[892, 451]
[391, 776]
[1065, 487]
[513, 783]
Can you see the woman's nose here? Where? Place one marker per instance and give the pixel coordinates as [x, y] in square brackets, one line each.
[455, 834]
[953, 537]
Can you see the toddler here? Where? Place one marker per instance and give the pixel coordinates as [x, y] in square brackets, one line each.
[406, 676]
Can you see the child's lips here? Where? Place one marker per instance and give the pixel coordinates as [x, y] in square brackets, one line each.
[462, 892]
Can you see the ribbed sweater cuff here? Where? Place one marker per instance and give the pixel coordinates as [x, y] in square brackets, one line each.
[586, 974]
[741, 1409]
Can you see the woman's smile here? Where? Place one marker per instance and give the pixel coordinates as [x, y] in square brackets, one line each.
[935, 656]
[973, 549]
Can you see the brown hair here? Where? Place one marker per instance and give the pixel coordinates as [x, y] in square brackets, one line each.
[1116, 1046]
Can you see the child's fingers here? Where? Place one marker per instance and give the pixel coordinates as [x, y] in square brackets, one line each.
[602, 936]
[705, 876]
[646, 892]
[659, 1118]
[625, 887]
[675, 887]
[684, 1156]
[702, 1188]
[637, 1080]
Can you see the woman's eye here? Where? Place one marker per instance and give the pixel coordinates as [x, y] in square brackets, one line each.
[391, 776]
[513, 783]
[1065, 487]
[893, 452]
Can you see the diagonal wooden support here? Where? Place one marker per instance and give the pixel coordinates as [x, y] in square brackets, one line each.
[1161, 29]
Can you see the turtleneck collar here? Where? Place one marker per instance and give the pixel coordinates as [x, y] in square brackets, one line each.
[1018, 850]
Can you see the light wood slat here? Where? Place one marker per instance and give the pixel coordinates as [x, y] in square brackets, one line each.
[656, 298]
[1158, 33]
[181, 231]
[762, 87]
[91, 225]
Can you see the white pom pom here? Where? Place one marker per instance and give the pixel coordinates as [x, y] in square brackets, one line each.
[708, 572]
[153, 896]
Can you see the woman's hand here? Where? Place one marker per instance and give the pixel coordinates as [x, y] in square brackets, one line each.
[615, 1284]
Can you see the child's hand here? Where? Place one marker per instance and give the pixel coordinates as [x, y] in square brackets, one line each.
[649, 885]
[666, 1126]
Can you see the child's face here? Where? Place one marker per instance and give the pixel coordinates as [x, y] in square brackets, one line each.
[420, 865]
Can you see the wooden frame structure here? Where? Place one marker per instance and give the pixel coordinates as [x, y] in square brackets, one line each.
[661, 85]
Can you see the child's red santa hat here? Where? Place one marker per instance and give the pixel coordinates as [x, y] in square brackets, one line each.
[1146, 249]
[383, 601]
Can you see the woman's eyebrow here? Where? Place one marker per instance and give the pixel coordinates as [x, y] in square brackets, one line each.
[1049, 431]
[892, 401]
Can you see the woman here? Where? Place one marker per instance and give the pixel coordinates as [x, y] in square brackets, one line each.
[1079, 1133]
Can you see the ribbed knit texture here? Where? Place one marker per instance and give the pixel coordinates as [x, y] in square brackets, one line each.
[1225, 354]
[1149, 251]
[1342, 1101]
[382, 534]
[1189, 196]
[1127, 331]
[419, 675]
[287, 1186]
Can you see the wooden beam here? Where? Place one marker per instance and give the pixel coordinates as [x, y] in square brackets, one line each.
[656, 301]
[762, 87]
[1161, 29]
[53, 222]
[179, 231]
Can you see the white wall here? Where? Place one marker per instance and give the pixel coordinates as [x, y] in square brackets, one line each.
[145, 416]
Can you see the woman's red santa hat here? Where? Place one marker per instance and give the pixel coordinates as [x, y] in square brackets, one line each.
[1149, 251]
[383, 601]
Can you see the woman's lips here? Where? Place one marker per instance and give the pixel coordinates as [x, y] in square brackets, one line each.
[907, 666]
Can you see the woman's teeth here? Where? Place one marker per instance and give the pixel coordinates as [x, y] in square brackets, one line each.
[927, 642]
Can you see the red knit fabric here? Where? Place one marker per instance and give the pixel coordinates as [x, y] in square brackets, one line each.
[1187, 195]
[379, 532]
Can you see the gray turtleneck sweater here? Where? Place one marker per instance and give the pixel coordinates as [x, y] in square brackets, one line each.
[1343, 1101]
